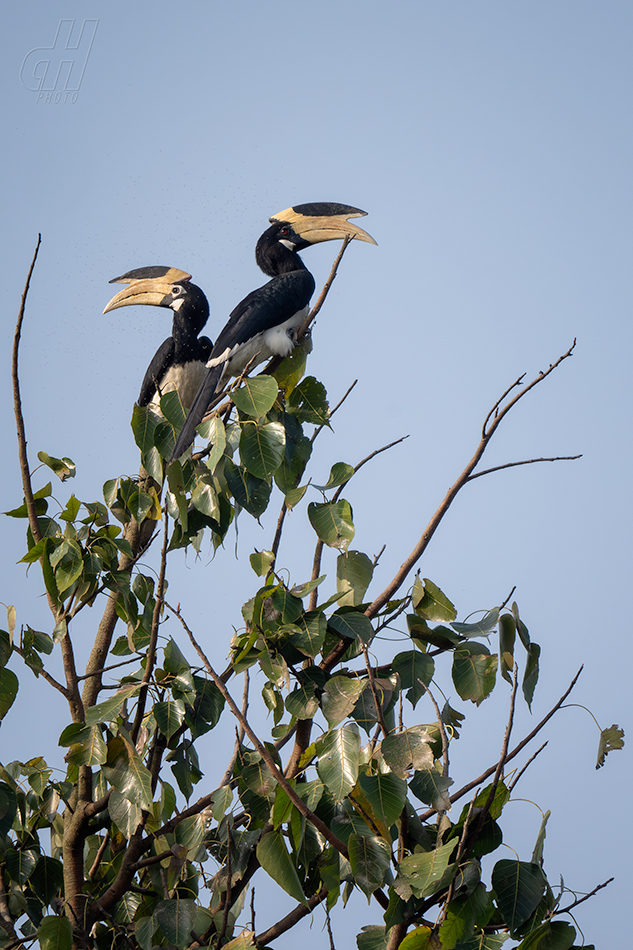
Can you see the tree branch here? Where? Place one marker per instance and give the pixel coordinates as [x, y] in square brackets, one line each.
[490, 426]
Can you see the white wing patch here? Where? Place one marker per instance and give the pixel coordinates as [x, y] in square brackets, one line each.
[276, 341]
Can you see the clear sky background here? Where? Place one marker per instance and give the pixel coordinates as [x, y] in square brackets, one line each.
[491, 144]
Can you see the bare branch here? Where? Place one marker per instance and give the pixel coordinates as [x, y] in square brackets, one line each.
[498, 468]
[19, 418]
[526, 766]
[151, 649]
[565, 910]
[290, 920]
[511, 755]
[263, 751]
[492, 422]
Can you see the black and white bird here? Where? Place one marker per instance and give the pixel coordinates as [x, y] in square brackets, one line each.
[264, 324]
[180, 362]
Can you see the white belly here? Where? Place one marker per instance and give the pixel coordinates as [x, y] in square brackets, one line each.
[185, 380]
[277, 341]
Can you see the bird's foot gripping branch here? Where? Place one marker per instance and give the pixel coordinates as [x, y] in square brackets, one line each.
[347, 788]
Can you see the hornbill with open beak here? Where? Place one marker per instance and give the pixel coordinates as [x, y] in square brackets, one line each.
[264, 323]
[180, 362]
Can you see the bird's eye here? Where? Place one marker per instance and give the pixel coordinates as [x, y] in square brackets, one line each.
[285, 231]
[176, 290]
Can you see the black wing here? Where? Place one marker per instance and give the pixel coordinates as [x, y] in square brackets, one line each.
[156, 370]
[266, 307]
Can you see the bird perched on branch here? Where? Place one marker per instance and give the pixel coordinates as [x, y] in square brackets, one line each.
[180, 362]
[265, 323]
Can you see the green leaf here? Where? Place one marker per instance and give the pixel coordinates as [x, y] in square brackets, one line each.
[222, 799]
[431, 787]
[519, 887]
[294, 495]
[71, 510]
[176, 919]
[310, 631]
[408, 750]
[340, 474]
[87, 746]
[481, 628]
[333, 523]
[67, 563]
[537, 854]
[144, 422]
[256, 397]
[262, 448]
[110, 709]
[275, 860]
[8, 808]
[173, 410]
[64, 468]
[205, 498]
[169, 717]
[339, 698]
[530, 677]
[425, 873]
[6, 646]
[126, 772]
[369, 858]
[372, 937]
[302, 702]
[386, 793]
[552, 935]
[261, 562]
[474, 671]
[47, 878]
[430, 603]
[125, 815]
[507, 633]
[214, 431]
[9, 686]
[250, 493]
[416, 671]
[417, 939]
[339, 760]
[55, 933]
[354, 571]
[20, 864]
[352, 624]
[610, 740]
[308, 401]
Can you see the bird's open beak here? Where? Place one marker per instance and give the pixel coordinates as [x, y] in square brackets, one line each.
[145, 292]
[146, 286]
[324, 221]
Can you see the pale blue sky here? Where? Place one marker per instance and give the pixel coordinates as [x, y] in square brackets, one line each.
[491, 144]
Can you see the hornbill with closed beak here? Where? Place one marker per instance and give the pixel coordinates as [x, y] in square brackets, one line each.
[180, 361]
[264, 324]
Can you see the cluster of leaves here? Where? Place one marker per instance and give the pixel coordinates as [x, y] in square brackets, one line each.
[127, 865]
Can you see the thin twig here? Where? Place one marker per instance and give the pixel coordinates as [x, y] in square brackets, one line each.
[498, 468]
[290, 920]
[527, 764]
[262, 750]
[511, 755]
[492, 422]
[17, 407]
[442, 728]
[151, 649]
[502, 758]
[565, 910]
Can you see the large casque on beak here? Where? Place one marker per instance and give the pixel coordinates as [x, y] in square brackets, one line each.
[147, 286]
[324, 221]
[147, 292]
